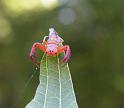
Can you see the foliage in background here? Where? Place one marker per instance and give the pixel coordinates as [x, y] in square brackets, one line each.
[93, 28]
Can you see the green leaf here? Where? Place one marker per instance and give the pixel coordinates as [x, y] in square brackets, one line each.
[55, 89]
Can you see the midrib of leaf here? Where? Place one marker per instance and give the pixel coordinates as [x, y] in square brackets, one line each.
[59, 83]
[46, 85]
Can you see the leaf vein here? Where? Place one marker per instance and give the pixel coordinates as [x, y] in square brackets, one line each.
[37, 102]
[59, 83]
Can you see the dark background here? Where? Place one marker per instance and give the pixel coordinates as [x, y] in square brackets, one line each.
[94, 29]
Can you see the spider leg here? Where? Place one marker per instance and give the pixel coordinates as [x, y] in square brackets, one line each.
[32, 54]
[44, 39]
[67, 54]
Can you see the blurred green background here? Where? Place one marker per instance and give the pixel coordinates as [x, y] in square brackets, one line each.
[94, 29]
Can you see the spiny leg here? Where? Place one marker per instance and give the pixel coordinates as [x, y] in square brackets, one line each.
[33, 52]
[44, 39]
[67, 53]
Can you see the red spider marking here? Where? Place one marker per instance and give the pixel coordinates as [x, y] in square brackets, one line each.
[51, 45]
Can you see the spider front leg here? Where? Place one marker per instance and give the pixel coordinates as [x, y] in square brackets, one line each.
[33, 52]
[67, 53]
[44, 39]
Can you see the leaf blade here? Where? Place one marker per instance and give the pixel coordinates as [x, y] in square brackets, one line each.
[55, 89]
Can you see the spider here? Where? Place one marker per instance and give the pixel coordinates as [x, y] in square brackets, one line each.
[51, 46]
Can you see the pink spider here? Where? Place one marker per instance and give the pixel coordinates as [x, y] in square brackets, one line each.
[52, 46]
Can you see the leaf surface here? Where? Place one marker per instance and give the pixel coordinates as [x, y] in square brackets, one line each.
[55, 89]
